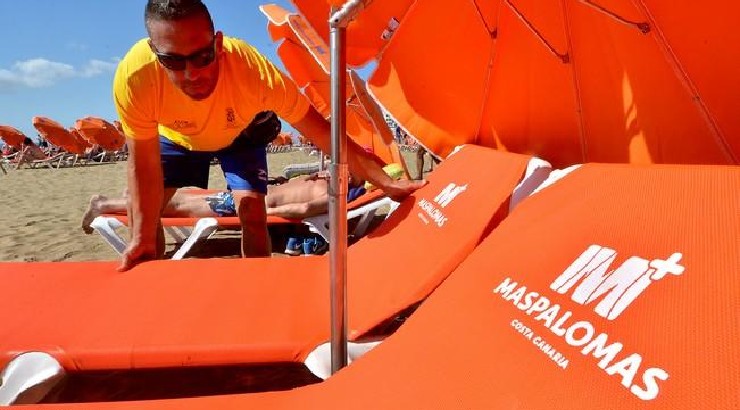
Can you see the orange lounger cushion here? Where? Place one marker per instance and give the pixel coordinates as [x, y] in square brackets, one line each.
[209, 312]
[615, 288]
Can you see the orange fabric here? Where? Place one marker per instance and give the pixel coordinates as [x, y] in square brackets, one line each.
[99, 131]
[205, 312]
[605, 93]
[12, 136]
[684, 324]
[467, 347]
[56, 134]
[80, 144]
[306, 57]
[365, 34]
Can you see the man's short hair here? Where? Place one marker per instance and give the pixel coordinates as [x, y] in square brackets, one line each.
[175, 10]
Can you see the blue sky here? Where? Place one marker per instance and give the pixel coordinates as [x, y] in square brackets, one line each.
[57, 58]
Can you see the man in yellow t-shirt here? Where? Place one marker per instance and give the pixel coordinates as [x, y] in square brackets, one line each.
[186, 95]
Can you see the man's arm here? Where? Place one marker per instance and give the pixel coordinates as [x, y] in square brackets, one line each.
[318, 130]
[146, 192]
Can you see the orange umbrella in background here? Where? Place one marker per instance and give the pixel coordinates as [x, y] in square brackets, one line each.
[55, 133]
[572, 81]
[101, 132]
[306, 57]
[287, 138]
[81, 144]
[12, 136]
[279, 140]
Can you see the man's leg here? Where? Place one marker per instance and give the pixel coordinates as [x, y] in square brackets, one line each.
[253, 219]
[181, 205]
[100, 204]
[245, 169]
[197, 205]
[180, 168]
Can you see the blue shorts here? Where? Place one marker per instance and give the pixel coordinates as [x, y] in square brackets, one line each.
[355, 192]
[244, 166]
[222, 203]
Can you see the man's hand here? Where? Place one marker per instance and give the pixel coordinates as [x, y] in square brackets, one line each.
[137, 252]
[397, 190]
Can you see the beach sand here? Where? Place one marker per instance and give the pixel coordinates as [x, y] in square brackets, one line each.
[41, 209]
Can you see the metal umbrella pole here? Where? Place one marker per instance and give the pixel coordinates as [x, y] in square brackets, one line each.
[338, 183]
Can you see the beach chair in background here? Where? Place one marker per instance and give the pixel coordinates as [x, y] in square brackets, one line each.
[33, 157]
[12, 137]
[308, 168]
[104, 134]
[219, 312]
[187, 232]
[594, 293]
[56, 134]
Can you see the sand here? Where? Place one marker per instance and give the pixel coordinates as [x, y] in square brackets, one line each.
[41, 208]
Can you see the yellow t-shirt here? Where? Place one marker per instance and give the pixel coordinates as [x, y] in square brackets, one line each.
[149, 105]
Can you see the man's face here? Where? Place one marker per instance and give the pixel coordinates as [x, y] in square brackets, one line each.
[184, 49]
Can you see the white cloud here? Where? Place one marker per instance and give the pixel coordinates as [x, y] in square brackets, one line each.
[40, 72]
[97, 67]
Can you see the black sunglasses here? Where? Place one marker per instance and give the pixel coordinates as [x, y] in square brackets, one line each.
[198, 59]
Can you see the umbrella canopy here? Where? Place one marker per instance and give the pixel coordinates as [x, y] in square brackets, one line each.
[80, 143]
[367, 34]
[101, 132]
[306, 57]
[571, 81]
[55, 133]
[12, 136]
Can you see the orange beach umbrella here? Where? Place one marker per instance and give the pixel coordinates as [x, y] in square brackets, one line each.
[306, 57]
[12, 136]
[571, 81]
[55, 133]
[367, 34]
[81, 144]
[99, 131]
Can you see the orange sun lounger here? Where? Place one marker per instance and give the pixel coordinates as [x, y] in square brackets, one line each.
[219, 312]
[616, 287]
[188, 231]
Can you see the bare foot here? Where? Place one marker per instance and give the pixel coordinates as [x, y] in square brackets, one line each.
[93, 211]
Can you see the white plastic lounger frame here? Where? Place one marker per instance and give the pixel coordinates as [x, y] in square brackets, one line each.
[28, 378]
[107, 227]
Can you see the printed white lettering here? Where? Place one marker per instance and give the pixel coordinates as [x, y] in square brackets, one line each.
[650, 378]
[539, 306]
[450, 192]
[601, 351]
[557, 327]
[527, 300]
[517, 295]
[617, 288]
[627, 368]
[549, 315]
[505, 287]
[570, 337]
